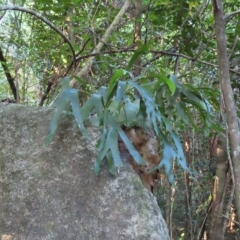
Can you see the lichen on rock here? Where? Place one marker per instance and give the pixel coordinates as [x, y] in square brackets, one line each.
[51, 192]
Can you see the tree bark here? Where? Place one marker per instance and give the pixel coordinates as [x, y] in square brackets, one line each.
[219, 152]
[137, 36]
[231, 114]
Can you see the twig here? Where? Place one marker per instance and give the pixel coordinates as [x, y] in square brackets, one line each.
[84, 45]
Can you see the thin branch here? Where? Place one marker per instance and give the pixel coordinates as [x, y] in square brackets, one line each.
[51, 82]
[161, 53]
[104, 39]
[84, 45]
[8, 75]
[158, 55]
[203, 225]
[48, 89]
[105, 53]
[228, 17]
[137, 37]
[45, 20]
[233, 48]
[231, 196]
[3, 15]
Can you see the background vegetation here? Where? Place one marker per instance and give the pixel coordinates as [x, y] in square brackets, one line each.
[166, 53]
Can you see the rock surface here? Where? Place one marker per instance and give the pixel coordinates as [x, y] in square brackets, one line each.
[51, 192]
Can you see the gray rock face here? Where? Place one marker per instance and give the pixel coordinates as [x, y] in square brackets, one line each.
[51, 192]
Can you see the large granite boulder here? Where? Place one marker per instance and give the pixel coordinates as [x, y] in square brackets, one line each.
[51, 192]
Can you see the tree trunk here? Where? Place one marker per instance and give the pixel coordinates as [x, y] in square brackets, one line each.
[219, 152]
[224, 79]
[137, 35]
[188, 216]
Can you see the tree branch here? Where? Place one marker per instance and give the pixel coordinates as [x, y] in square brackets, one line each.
[158, 55]
[228, 17]
[101, 43]
[45, 20]
[137, 37]
[8, 75]
[161, 53]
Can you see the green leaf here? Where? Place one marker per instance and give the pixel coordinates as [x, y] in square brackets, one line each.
[98, 104]
[180, 154]
[154, 117]
[193, 89]
[163, 79]
[128, 112]
[181, 112]
[111, 166]
[102, 140]
[60, 104]
[190, 117]
[72, 94]
[113, 142]
[190, 95]
[86, 108]
[175, 80]
[80, 80]
[200, 104]
[141, 50]
[65, 82]
[160, 99]
[114, 79]
[169, 155]
[136, 156]
[105, 149]
[102, 91]
[113, 85]
[96, 167]
[114, 106]
[120, 95]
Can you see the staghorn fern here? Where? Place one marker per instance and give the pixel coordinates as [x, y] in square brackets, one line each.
[158, 107]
